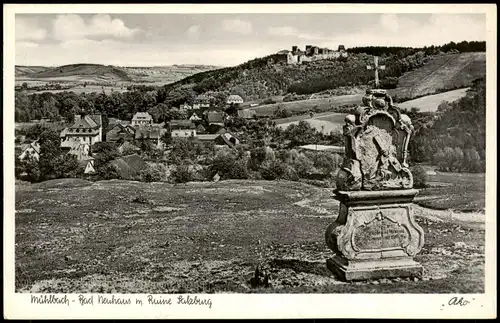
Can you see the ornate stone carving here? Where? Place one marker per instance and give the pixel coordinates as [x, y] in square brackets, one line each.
[377, 137]
[375, 234]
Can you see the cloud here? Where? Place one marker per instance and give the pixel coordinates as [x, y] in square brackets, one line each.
[398, 30]
[237, 26]
[289, 31]
[193, 31]
[389, 22]
[27, 29]
[26, 44]
[70, 27]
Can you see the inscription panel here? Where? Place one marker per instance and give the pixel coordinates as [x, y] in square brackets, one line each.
[394, 235]
[368, 236]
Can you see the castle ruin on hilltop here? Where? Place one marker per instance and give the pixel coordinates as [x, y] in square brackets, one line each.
[311, 53]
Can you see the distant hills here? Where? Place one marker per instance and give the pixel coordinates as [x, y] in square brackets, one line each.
[108, 73]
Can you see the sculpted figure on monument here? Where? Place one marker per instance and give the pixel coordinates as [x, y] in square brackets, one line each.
[377, 137]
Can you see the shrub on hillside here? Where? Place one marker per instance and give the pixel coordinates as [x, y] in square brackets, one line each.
[299, 162]
[272, 169]
[229, 166]
[154, 172]
[182, 174]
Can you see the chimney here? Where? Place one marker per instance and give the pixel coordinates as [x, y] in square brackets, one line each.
[294, 49]
[77, 117]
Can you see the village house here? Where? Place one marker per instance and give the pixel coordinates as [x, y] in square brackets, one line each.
[82, 153]
[202, 101]
[234, 99]
[247, 114]
[182, 128]
[119, 131]
[32, 150]
[150, 133]
[113, 121]
[195, 117]
[87, 128]
[224, 139]
[215, 118]
[200, 129]
[186, 107]
[142, 119]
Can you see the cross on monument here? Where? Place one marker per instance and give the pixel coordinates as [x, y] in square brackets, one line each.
[376, 68]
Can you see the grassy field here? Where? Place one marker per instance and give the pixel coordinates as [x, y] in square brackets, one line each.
[325, 104]
[323, 122]
[430, 103]
[130, 237]
[463, 192]
[442, 72]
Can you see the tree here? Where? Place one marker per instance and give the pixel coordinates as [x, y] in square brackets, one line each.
[458, 157]
[440, 160]
[166, 138]
[103, 152]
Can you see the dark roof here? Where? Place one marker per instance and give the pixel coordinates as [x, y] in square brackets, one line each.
[215, 117]
[247, 113]
[129, 166]
[148, 132]
[118, 131]
[142, 116]
[128, 145]
[181, 124]
[87, 121]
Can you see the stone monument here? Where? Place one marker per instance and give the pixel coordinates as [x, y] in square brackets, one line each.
[375, 235]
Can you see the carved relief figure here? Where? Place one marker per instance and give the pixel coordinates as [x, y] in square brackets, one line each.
[377, 137]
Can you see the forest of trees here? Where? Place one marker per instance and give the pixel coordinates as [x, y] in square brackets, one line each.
[383, 51]
[456, 139]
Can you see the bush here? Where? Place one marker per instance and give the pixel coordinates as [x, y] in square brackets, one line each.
[153, 173]
[182, 174]
[271, 170]
[419, 177]
[300, 163]
[229, 166]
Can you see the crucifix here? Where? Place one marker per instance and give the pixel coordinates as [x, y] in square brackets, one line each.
[376, 67]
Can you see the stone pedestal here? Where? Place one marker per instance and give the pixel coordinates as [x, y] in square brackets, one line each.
[375, 235]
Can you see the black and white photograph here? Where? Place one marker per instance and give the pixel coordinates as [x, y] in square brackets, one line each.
[203, 156]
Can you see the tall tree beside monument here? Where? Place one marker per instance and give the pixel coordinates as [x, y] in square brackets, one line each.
[375, 235]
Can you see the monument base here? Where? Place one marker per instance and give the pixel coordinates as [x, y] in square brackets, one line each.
[375, 236]
[370, 270]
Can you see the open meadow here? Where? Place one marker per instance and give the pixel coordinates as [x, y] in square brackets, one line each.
[324, 104]
[430, 103]
[131, 237]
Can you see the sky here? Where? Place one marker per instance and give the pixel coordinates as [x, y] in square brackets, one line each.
[222, 39]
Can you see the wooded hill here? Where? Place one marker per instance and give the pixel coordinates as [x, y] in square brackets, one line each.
[258, 78]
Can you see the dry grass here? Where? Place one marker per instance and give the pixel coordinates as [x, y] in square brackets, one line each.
[325, 104]
[77, 236]
[430, 103]
[442, 72]
[463, 192]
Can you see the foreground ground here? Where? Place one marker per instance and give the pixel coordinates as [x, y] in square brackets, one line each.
[130, 237]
